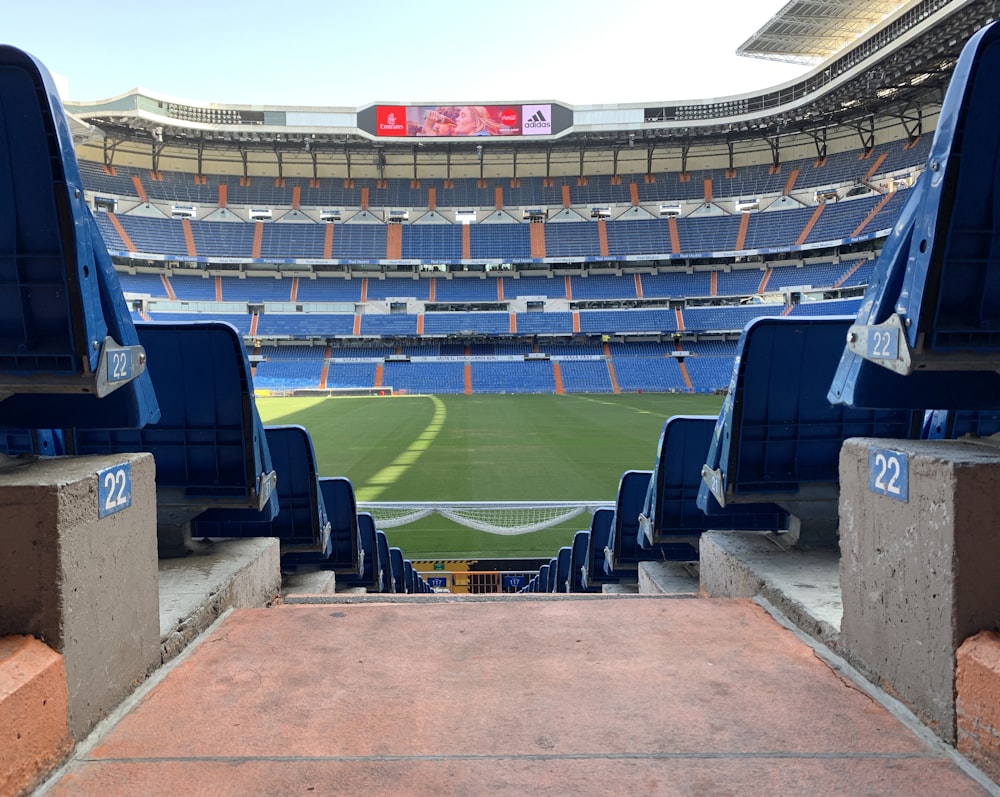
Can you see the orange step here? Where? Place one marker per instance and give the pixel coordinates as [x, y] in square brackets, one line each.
[790, 182]
[741, 235]
[764, 280]
[140, 190]
[602, 236]
[537, 233]
[809, 225]
[394, 242]
[685, 376]
[328, 242]
[565, 195]
[467, 378]
[675, 236]
[189, 238]
[223, 194]
[557, 378]
[168, 287]
[34, 707]
[379, 375]
[126, 241]
[613, 377]
[466, 242]
[258, 239]
[633, 193]
[872, 214]
[875, 166]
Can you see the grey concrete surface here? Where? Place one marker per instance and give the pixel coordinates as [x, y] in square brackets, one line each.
[83, 584]
[919, 575]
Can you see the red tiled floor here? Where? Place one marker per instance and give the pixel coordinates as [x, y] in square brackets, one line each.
[626, 695]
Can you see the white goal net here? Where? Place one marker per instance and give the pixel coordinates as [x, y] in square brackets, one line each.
[497, 517]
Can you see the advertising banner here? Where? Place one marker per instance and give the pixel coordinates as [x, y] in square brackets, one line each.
[463, 121]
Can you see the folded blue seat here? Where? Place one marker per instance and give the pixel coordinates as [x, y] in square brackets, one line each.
[670, 512]
[927, 335]
[301, 523]
[778, 438]
[67, 341]
[563, 559]
[369, 575]
[385, 562]
[579, 563]
[622, 553]
[396, 569]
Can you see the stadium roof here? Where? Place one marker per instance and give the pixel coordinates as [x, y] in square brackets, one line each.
[810, 31]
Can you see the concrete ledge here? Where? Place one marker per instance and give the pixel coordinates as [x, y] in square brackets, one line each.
[620, 589]
[668, 578]
[81, 578]
[320, 582]
[802, 584]
[977, 683]
[34, 706]
[197, 589]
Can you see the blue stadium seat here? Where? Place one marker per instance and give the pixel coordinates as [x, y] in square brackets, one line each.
[301, 523]
[384, 562]
[209, 444]
[347, 553]
[670, 513]
[396, 571]
[579, 561]
[543, 578]
[368, 578]
[563, 560]
[409, 577]
[600, 534]
[950, 425]
[621, 552]
[67, 341]
[927, 335]
[777, 439]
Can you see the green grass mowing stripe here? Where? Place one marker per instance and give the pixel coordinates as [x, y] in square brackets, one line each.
[488, 448]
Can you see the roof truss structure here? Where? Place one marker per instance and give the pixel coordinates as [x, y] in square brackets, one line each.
[810, 31]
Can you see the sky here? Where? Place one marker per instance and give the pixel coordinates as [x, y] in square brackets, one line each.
[348, 54]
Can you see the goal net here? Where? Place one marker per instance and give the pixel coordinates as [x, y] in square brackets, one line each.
[497, 517]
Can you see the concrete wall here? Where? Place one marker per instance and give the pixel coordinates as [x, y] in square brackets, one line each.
[919, 576]
[84, 585]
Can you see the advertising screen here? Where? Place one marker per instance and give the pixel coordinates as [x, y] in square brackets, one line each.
[463, 121]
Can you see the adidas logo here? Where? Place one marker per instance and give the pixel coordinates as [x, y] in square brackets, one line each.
[537, 119]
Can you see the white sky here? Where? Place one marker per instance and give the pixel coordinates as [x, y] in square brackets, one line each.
[335, 53]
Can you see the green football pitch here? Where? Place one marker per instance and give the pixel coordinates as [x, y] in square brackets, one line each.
[484, 448]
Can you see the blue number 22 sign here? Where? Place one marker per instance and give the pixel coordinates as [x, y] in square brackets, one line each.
[888, 473]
